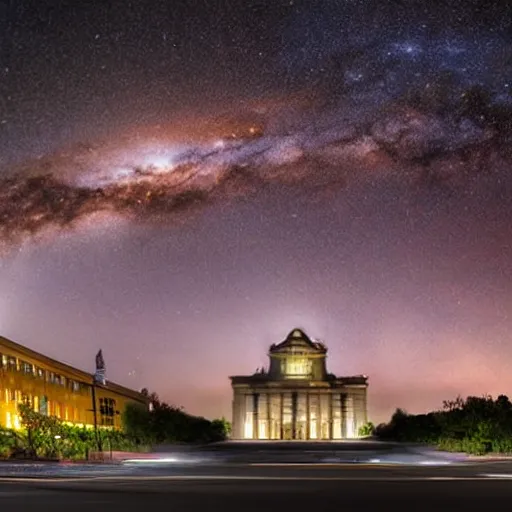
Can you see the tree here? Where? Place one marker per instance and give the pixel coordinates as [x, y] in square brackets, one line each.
[221, 429]
[164, 423]
[474, 425]
[137, 423]
[42, 431]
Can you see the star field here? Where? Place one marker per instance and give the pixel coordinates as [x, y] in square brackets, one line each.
[182, 185]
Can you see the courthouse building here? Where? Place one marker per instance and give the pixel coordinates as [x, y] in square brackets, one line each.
[57, 389]
[296, 398]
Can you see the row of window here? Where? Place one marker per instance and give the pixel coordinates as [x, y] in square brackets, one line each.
[15, 364]
[41, 404]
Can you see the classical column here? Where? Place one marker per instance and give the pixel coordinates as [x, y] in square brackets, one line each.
[269, 424]
[360, 414]
[331, 418]
[343, 401]
[294, 414]
[238, 415]
[337, 416]
[281, 416]
[349, 416]
[308, 417]
[255, 416]
[319, 417]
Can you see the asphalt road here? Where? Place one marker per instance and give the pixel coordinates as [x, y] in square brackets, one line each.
[260, 488]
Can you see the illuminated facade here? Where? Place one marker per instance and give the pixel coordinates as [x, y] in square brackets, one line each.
[56, 389]
[296, 399]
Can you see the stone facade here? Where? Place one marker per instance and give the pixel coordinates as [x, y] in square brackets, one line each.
[296, 399]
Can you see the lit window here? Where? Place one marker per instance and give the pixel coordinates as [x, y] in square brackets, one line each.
[44, 406]
[296, 367]
[27, 368]
[107, 411]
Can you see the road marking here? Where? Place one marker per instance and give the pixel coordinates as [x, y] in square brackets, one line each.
[16, 494]
[498, 475]
[24, 479]
[248, 478]
[351, 465]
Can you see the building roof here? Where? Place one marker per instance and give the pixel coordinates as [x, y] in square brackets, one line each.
[73, 372]
[331, 380]
[297, 339]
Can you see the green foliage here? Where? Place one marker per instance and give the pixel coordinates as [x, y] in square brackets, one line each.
[8, 442]
[41, 431]
[222, 426]
[168, 424]
[49, 438]
[475, 425]
[366, 430]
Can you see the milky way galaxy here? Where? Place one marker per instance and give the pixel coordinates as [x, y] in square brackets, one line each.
[156, 179]
[343, 166]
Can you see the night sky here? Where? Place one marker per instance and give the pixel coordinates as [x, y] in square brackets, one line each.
[183, 183]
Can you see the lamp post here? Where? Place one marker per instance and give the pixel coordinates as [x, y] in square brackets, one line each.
[95, 415]
[98, 377]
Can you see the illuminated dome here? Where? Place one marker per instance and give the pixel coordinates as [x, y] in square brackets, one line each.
[296, 342]
[298, 357]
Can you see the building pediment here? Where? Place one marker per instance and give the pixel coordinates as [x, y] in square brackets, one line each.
[298, 342]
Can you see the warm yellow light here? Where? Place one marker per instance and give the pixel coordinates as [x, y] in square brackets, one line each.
[262, 429]
[312, 428]
[248, 426]
[297, 367]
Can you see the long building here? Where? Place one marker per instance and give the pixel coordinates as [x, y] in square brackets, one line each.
[296, 398]
[56, 389]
